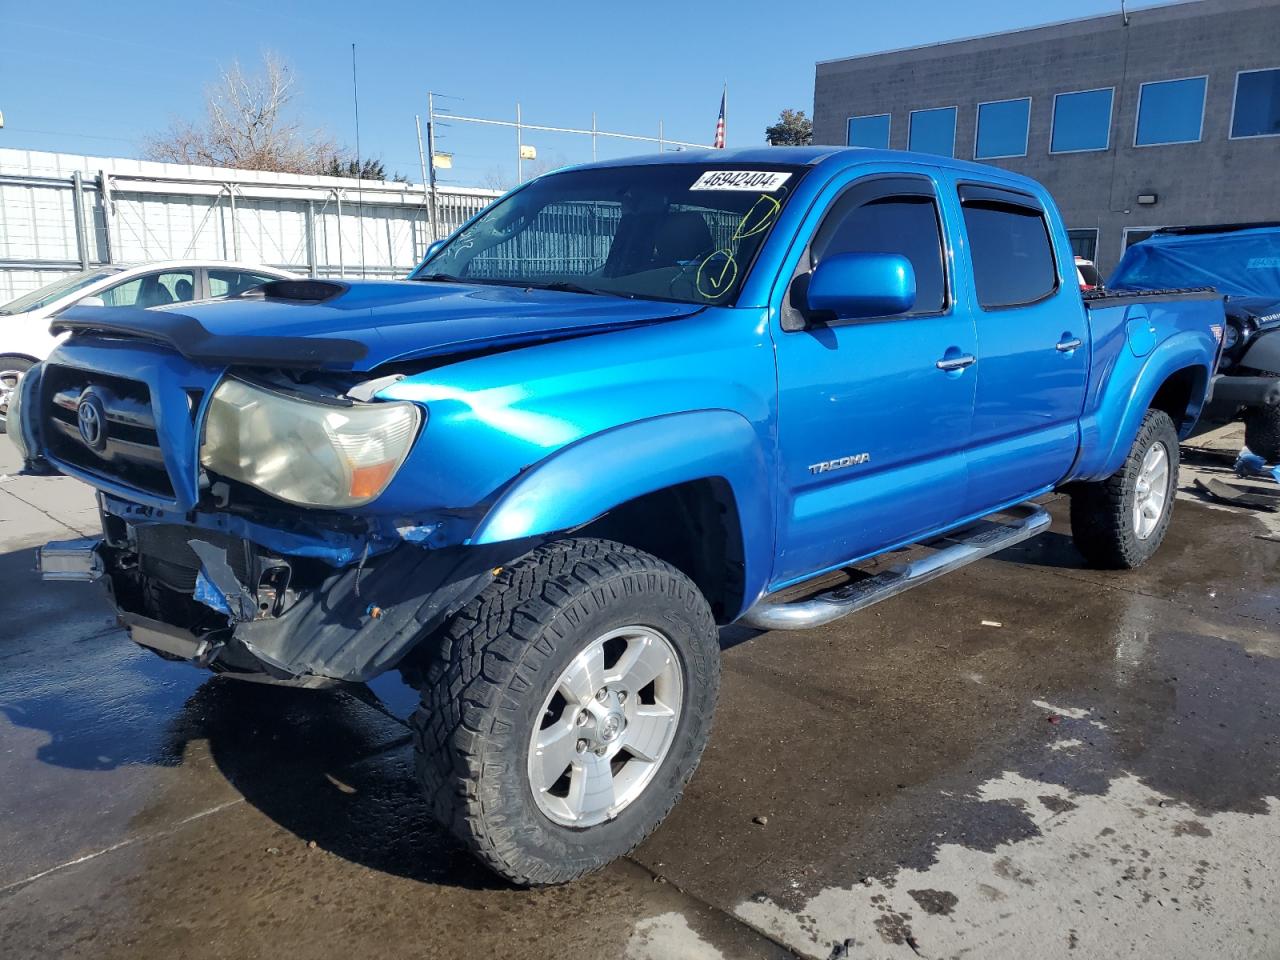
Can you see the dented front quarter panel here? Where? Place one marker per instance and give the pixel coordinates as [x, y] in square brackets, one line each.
[493, 420]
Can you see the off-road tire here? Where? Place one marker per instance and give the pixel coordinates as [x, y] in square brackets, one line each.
[496, 663]
[8, 363]
[1262, 431]
[1102, 511]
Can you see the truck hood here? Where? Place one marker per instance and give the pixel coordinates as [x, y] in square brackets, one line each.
[360, 325]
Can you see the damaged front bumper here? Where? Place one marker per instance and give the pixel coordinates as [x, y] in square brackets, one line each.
[234, 606]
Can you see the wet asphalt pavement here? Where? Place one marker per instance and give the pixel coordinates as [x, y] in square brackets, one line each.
[1092, 772]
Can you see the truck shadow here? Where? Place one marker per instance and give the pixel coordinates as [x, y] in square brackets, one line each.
[328, 769]
[77, 696]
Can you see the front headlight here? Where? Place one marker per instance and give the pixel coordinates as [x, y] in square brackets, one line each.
[308, 453]
[1230, 337]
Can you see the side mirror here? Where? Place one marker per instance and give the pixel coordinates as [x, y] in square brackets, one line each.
[91, 302]
[433, 249]
[857, 286]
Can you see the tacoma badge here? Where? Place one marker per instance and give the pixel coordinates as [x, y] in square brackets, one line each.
[840, 463]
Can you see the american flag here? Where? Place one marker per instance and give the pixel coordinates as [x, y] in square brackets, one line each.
[719, 143]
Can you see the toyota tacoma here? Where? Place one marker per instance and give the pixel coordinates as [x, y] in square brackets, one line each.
[627, 403]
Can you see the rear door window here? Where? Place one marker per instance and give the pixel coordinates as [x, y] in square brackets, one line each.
[178, 286]
[1013, 261]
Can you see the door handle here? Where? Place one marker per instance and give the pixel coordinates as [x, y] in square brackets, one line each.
[1066, 346]
[955, 363]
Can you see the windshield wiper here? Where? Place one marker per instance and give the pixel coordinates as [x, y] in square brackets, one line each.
[568, 286]
[563, 286]
[440, 278]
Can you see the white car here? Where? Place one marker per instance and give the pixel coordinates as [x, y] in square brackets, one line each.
[24, 323]
[1088, 275]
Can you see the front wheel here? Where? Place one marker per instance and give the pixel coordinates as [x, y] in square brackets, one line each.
[1120, 522]
[566, 709]
[11, 370]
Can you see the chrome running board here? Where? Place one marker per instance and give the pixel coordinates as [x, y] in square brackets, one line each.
[956, 549]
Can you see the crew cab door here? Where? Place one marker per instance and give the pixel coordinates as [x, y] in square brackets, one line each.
[872, 432]
[1033, 346]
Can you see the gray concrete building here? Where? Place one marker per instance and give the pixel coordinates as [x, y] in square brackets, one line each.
[1171, 118]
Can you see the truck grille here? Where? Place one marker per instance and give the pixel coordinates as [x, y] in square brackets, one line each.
[104, 425]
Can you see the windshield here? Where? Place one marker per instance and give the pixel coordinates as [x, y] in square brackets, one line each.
[683, 232]
[53, 291]
[1243, 263]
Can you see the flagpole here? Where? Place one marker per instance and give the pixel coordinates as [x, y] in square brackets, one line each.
[725, 100]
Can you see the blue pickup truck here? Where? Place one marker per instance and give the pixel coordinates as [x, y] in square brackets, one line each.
[627, 403]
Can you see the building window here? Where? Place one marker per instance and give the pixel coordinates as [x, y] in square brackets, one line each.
[1002, 129]
[1082, 121]
[1084, 243]
[870, 131]
[1170, 111]
[1257, 109]
[933, 131]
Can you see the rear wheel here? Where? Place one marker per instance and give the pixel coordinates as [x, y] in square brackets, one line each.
[1262, 430]
[1120, 522]
[12, 368]
[566, 709]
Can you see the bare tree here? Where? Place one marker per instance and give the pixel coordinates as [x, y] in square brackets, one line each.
[498, 178]
[248, 124]
[545, 163]
[495, 179]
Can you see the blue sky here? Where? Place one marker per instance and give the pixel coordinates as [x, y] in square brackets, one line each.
[96, 78]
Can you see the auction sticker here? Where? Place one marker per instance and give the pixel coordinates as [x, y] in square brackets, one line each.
[766, 181]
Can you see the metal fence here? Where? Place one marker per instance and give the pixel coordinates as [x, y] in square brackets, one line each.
[61, 213]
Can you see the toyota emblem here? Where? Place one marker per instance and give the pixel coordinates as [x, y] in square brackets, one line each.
[92, 422]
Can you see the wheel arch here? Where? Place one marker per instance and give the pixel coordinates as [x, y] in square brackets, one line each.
[1174, 379]
[694, 526]
[691, 488]
[1181, 395]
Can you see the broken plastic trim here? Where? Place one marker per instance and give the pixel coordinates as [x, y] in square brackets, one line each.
[217, 586]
